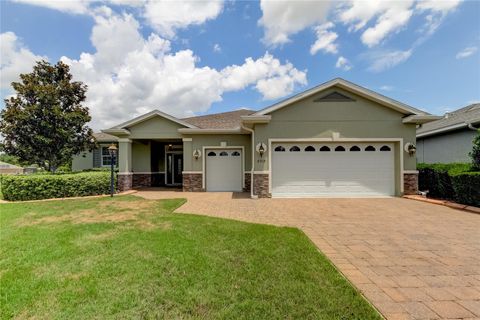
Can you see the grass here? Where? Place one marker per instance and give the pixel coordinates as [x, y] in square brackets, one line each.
[132, 258]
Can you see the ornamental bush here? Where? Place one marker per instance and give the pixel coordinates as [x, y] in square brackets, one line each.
[45, 186]
[455, 181]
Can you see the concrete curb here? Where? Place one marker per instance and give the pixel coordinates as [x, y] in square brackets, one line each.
[73, 198]
[445, 203]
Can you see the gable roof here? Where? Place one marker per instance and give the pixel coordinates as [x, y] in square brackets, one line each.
[223, 120]
[147, 116]
[351, 87]
[457, 119]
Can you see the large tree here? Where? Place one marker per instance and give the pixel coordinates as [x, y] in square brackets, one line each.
[45, 122]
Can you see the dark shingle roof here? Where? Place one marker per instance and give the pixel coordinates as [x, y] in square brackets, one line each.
[468, 114]
[224, 120]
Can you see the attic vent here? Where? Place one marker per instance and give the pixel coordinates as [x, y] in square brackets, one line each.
[332, 97]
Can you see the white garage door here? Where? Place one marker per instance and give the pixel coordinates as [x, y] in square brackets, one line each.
[333, 169]
[223, 169]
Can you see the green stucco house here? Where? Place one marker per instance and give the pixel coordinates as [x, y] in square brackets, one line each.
[335, 140]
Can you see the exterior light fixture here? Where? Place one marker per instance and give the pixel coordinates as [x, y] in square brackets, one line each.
[261, 149]
[196, 154]
[112, 151]
[170, 147]
[411, 149]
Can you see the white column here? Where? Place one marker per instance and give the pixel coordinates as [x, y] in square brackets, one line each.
[124, 155]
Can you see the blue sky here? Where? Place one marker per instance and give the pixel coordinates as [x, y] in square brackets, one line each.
[202, 57]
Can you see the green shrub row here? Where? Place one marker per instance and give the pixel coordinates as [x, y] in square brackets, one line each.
[35, 187]
[454, 181]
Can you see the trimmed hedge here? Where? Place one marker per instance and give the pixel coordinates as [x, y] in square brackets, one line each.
[454, 181]
[46, 186]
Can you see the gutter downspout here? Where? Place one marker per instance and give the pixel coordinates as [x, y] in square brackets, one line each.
[253, 160]
[471, 127]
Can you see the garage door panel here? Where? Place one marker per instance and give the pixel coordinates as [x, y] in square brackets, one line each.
[223, 170]
[333, 173]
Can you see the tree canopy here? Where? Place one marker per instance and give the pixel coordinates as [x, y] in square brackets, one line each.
[45, 122]
[475, 154]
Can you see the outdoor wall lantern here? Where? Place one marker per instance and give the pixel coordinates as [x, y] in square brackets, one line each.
[196, 154]
[112, 151]
[410, 148]
[261, 149]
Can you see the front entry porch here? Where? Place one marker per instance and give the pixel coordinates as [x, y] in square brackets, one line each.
[150, 163]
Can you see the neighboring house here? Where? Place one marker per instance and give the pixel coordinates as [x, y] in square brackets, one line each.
[97, 158]
[7, 168]
[449, 139]
[336, 140]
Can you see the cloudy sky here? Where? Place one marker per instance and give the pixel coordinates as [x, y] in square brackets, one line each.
[198, 57]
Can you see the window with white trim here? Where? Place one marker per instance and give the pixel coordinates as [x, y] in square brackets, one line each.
[106, 159]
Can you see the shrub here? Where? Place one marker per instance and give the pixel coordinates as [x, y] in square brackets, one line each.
[475, 154]
[467, 188]
[45, 186]
[453, 181]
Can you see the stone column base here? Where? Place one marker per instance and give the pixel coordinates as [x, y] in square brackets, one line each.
[124, 181]
[260, 185]
[192, 182]
[247, 182]
[142, 180]
[410, 183]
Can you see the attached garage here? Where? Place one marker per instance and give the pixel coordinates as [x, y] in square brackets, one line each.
[223, 170]
[333, 169]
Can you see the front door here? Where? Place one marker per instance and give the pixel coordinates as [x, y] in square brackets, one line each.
[174, 169]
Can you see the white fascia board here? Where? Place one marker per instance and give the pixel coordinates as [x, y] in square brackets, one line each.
[420, 119]
[116, 131]
[212, 131]
[150, 115]
[349, 86]
[440, 130]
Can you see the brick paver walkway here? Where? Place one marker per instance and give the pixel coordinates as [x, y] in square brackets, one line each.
[412, 260]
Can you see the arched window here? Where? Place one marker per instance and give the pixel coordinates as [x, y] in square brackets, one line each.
[223, 154]
[370, 148]
[211, 154]
[294, 149]
[355, 148]
[279, 149]
[385, 148]
[339, 148]
[235, 154]
[324, 148]
[309, 149]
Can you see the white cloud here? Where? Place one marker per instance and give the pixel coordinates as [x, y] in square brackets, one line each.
[436, 12]
[281, 19]
[168, 16]
[325, 39]
[468, 51]
[386, 88]
[146, 74]
[16, 59]
[217, 48]
[343, 63]
[383, 60]
[390, 16]
[69, 6]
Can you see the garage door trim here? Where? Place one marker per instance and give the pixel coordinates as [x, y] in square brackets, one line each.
[286, 140]
[204, 162]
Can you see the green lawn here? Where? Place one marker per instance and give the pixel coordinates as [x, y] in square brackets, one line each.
[132, 258]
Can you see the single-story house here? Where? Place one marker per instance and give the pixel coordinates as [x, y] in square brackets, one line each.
[449, 139]
[8, 168]
[96, 158]
[337, 139]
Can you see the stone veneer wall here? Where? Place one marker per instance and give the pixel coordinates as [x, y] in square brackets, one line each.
[410, 183]
[124, 182]
[260, 185]
[142, 180]
[192, 182]
[247, 182]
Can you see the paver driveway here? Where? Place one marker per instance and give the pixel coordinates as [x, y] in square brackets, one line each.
[412, 260]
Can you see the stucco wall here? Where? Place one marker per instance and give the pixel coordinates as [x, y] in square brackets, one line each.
[356, 119]
[155, 128]
[141, 159]
[199, 141]
[450, 147]
[82, 161]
